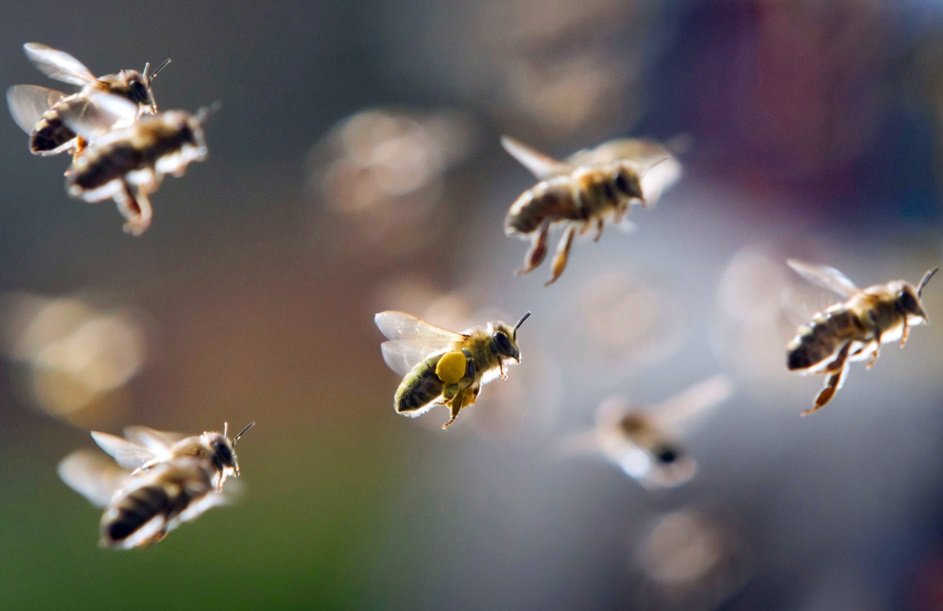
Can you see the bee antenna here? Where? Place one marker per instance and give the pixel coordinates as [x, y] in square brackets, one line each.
[225, 429]
[243, 432]
[926, 278]
[153, 75]
[519, 323]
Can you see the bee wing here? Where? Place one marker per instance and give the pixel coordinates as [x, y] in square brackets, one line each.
[825, 277]
[401, 355]
[400, 325]
[156, 441]
[58, 65]
[99, 115]
[128, 455]
[541, 165]
[688, 408]
[28, 103]
[92, 475]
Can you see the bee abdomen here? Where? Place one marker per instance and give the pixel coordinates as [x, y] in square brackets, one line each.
[419, 388]
[547, 201]
[50, 134]
[98, 168]
[818, 341]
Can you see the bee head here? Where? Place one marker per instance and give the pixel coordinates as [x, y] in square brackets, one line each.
[628, 182]
[908, 298]
[223, 450]
[504, 339]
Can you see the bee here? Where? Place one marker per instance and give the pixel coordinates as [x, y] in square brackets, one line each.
[853, 330]
[160, 481]
[128, 164]
[644, 442]
[581, 192]
[442, 367]
[38, 110]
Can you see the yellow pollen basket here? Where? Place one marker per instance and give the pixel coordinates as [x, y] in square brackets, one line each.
[451, 367]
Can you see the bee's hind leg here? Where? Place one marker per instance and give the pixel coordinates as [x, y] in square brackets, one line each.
[461, 400]
[135, 207]
[838, 371]
[538, 249]
[600, 224]
[563, 253]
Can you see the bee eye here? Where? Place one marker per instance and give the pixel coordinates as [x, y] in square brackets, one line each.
[623, 183]
[503, 343]
[908, 302]
[139, 92]
[224, 453]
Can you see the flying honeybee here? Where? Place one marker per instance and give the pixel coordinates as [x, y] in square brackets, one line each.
[853, 330]
[39, 110]
[127, 164]
[582, 191]
[442, 367]
[644, 442]
[160, 481]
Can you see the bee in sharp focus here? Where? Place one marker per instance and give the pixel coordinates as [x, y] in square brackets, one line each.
[442, 367]
[854, 329]
[127, 164]
[582, 191]
[160, 480]
[38, 110]
[645, 442]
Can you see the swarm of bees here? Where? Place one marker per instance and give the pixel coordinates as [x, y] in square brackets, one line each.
[160, 481]
[122, 146]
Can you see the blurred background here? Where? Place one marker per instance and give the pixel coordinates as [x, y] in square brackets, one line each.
[355, 167]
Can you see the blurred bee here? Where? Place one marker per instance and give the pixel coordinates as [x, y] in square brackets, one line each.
[853, 330]
[39, 110]
[644, 442]
[160, 481]
[580, 192]
[442, 367]
[127, 164]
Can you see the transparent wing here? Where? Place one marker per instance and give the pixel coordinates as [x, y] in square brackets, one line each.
[640, 150]
[399, 325]
[28, 103]
[99, 115]
[688, 408]
[541, 165]
[128, 455]
[58, 65]
[401, 355]
[92, 475]
[825, 277]
[153, 440]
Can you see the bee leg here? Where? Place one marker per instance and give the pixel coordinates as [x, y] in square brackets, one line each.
[504, 371]
[875, 351]
[135, 207]
[538, 249]
[563, 252]
[599, 227]
[838, 370]
[80, 144]
[462, 399]
[905, 333]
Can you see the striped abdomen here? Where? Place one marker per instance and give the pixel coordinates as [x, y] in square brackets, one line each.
[50, 133]
[153, 501]
[420, 386]
[828, 332]
[552, 200]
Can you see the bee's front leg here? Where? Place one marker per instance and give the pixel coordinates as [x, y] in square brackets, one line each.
[503, 370]
[599, 227]
[563, 253]
[538, 249]
[905, 333]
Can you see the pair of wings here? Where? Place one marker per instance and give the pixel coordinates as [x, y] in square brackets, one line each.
[97, 478]
[825, 277]
[411, 340]
[656, 166]
[28, 103]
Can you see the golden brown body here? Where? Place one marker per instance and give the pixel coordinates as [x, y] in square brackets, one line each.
[853, 330]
